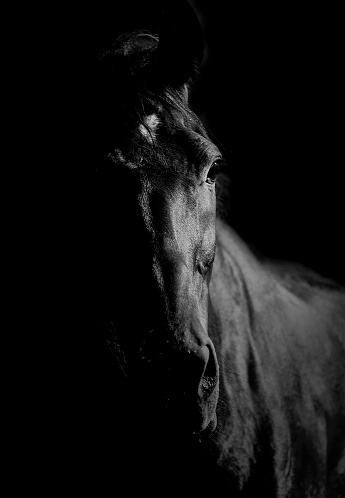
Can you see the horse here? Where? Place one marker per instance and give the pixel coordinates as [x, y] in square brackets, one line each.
[227, 369]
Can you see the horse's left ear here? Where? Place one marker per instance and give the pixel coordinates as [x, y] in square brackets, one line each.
[181, 43]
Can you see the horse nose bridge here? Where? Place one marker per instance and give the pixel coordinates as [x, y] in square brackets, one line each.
[173, 252]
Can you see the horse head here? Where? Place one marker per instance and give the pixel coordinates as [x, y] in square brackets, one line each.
[157, 170]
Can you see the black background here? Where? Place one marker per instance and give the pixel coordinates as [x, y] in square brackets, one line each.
[271, 90]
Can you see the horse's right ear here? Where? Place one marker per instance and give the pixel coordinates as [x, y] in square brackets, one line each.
[181, 44]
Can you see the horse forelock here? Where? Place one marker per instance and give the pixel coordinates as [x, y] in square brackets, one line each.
[130, 76]
[138, 105]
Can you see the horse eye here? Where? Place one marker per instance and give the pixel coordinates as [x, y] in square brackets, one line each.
[214, 171]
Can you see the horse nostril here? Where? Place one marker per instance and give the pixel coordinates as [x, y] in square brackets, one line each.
[210, 374]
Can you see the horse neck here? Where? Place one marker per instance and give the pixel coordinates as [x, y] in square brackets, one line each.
[236, 258]
[238, 289]
[236, 279]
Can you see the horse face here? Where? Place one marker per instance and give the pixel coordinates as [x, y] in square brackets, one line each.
[164, 255]
[161, 207]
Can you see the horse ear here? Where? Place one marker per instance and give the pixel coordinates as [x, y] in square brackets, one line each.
[181, 44]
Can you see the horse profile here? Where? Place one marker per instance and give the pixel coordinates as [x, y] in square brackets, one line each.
[231, 367]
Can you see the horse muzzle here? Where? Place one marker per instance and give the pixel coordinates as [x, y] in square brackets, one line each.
[177, 378]
[193, 386]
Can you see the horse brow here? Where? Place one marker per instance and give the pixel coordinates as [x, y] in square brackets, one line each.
[204, 149]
